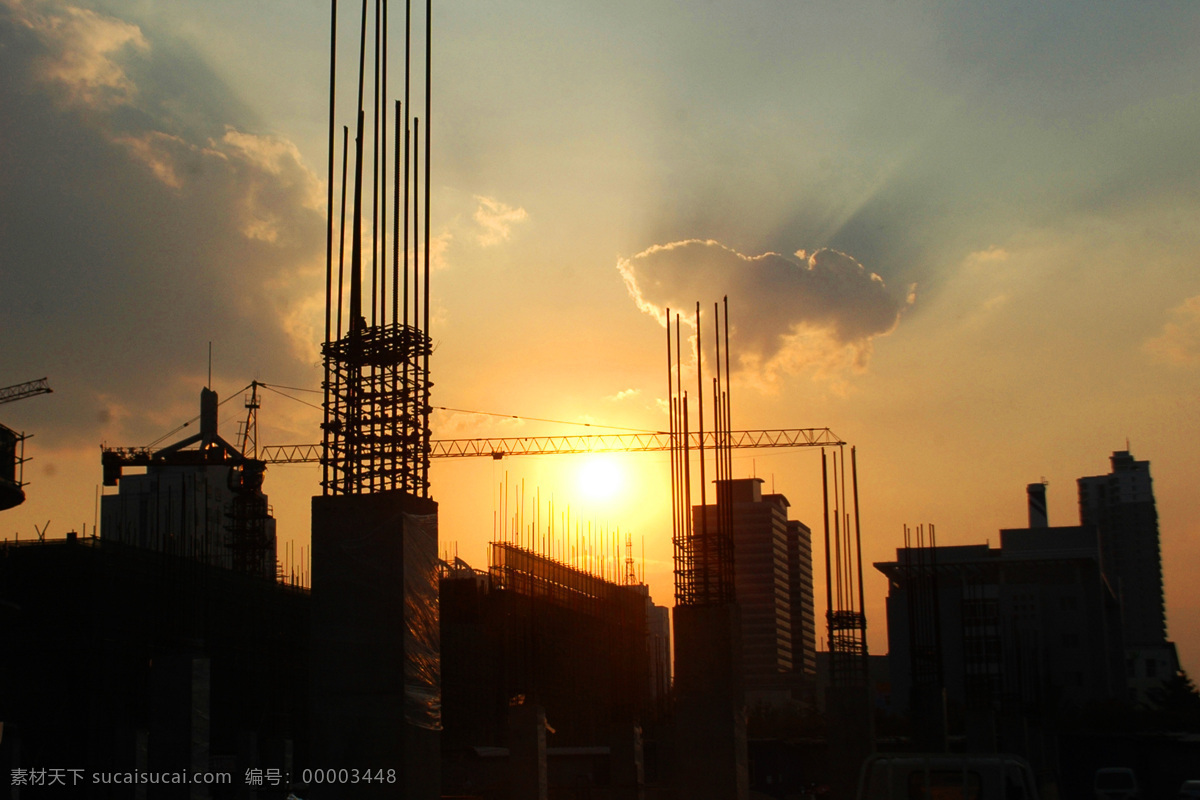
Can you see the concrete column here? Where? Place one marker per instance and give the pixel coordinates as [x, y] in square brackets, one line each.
[527, 778]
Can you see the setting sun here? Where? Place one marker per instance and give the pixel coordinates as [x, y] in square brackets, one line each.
[600, 477]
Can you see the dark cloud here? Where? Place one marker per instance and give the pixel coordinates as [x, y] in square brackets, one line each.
[140, 218]
[822, 309]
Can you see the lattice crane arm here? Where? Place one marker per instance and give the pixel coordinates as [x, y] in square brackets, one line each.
[20, 391]
[591, 443]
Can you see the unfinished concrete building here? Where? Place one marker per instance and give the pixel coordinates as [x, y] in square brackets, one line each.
[532, 632]
[710, 707]
[375, 651]
[122, 659]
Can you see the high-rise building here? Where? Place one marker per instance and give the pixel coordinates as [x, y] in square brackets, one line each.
[804, 620]
[1121, 507]
[773, 586]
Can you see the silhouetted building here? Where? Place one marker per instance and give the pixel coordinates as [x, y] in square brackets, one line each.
[11, 449]
[1024, 629]
[181, 510]
[200, 498]
[119, 659]
[878, 675]
[658, 642]
[800, 576]
[532, 630]
[1121, 507]
[773, 584]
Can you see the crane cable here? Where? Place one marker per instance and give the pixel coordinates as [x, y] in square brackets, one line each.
[467, 411]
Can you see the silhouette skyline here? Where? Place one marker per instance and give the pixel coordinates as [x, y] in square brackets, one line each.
[162, 189]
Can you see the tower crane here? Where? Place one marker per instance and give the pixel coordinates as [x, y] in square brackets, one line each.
[20, 391]
[12, 445]
[655, 441]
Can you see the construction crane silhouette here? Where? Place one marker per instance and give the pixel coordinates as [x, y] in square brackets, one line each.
[500, 447]
[12, 445]
[115, 458]
[20, 391]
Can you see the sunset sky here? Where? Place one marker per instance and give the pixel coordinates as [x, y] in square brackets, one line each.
[963, 236]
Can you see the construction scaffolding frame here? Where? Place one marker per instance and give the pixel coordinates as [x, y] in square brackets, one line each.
[378, 433]
[514, 568]
[703, 558]
[377, 346]
[845, 605]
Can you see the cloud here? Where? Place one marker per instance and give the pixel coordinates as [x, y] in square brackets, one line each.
[624, 394]
[496, 219]
[820, 310]
[1179, 342]
[142, 215]
[81, 52]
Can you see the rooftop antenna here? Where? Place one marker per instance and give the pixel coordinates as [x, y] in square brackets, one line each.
[209, 385]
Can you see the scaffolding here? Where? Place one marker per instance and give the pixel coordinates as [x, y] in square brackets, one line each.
[12, 469]
[530, 574]
[378, 388]
[845, 605]
[703, 556]
[376, 351]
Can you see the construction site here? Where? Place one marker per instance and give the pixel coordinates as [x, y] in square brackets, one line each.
[174, 639]
[179, 639]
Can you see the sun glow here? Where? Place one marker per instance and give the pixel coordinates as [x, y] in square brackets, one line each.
[601, 477]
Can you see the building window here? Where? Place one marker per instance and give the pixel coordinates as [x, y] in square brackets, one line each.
[1151, 668]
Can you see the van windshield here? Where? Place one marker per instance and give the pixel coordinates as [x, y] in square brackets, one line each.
[1114, 779]
[944, 784]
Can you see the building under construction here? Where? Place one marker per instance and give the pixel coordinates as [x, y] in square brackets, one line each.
[199, 498]
[517, 631]
[710, 716]
[12, 445]
[375, 651]
[533, 636]
[123, 659]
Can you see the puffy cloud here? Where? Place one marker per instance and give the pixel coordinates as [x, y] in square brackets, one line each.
[822, 309]
[81, 51]
[624, 394]
[1179, 342]
[496, 219]
[142, 216]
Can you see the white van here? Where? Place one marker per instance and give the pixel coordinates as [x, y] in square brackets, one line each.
[1189, 790]
[946, 776]
[1116, 783]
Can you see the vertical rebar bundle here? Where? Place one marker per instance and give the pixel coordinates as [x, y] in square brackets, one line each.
[924, 614]
[703, 554]
[376, 422]
[845, 614]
